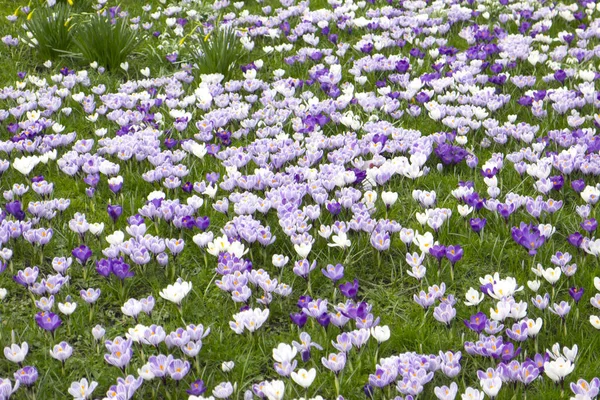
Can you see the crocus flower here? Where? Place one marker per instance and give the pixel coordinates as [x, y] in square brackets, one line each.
[349, 289]
[576, 293]
[82, 254]
[176, 292]
[26, 376]
[48, 321]
[477, 224]
[114, 211]
[333, 272]
[197, 388]
[82, 390]
[558, 369]
[334, 362]
[7, 388]
[454, 253]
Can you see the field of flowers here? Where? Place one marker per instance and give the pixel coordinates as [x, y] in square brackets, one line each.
[285, 199]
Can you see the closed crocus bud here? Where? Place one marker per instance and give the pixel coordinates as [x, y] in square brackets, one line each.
[115, 238]
[571, 354]
[303, 249]
[389, 198]
[280, 260]
[162, 259]
[98, 332]
[533, 285]
[381, 333]
[597, 283]
[146, 372]
[3, 293]
[202, 239]
[97, 228]
[227, 366]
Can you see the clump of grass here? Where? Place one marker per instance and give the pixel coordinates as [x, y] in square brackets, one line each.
[219, 52]
[49, 31]
[109, 42]
[77, 5]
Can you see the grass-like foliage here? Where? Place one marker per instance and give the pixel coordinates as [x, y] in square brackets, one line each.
[106, 41]
[77, 5]
[220, 52]
[50, 30]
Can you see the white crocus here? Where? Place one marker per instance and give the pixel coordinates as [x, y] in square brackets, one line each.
[303, 249]
[558, 369]
[340, 240]
[96, 228]
[425, 241]
[284, 353]
[116, 238]
[16, 353]
[474, 297]
[176, 292]
[389, 198]
[552, 275]
[381, 333]
[67, 307]
[303, 377]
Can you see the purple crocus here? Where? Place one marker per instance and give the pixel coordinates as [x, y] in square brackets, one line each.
[121, 269]
[528, 236]
[589, 225]
[48, 321]
[438, 251]
[575, 239]
[444, 313]
[476, 322]
[26, 376]
[197, 388]
[560, 75]
[528, 372]
[334, 272]
[576, 293]
[518, 332]
[334, 208]
[299, 319]
[178, 369]
[477, 224]
[349, 289]
[172, 58]
[82, 254]
[454, 253]
[15, 209]
[578, 185]
[114, 211]
[103, 267]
